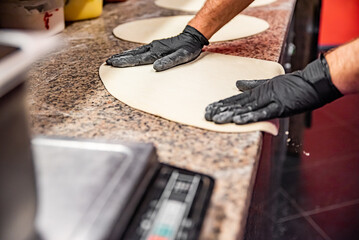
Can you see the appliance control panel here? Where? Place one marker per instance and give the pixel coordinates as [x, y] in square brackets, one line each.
[173, 207]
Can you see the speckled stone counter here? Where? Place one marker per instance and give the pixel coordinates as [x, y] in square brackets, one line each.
[67, 98]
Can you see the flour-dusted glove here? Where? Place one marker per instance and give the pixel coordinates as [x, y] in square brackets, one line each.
[281, 96]
[164, 53]
[245, 85]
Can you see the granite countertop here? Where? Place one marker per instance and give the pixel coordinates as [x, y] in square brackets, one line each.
[67, 98]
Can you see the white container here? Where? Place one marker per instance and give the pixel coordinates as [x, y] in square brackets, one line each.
[43, 15]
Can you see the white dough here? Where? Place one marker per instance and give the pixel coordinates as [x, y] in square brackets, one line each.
[147, 30]
[195, 5]
[258, 3]
[182, 93]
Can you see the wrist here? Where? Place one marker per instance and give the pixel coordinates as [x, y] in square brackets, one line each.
[196, 34]
[203, 26]
[317, 73]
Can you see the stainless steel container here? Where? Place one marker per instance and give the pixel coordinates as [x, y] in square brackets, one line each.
[17, 180]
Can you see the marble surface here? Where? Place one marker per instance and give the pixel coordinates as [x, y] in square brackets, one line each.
[67, 98]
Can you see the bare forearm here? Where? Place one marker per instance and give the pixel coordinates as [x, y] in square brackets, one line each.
[344, 69]
[215, 14]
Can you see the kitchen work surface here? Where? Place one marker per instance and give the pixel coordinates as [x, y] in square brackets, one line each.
[181, 94]
[146, 30]
[67, 98]
[195, 5]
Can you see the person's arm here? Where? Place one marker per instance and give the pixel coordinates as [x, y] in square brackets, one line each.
[187, 46]
[215, 14]
[344, 67]
[319, 83]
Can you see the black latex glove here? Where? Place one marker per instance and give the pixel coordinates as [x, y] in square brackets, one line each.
[245, 85]
[281, 96]
[164, 53]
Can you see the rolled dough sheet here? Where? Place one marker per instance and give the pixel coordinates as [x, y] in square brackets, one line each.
[147, 30]
[196, 5]
[181, 94]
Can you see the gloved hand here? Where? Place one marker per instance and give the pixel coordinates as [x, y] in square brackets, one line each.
[281, 96]
[164, 53]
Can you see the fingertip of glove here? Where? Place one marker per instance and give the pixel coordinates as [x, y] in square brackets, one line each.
[208, 116]
[109, 61]
[161, 65]
[241, 86]
[158, 67]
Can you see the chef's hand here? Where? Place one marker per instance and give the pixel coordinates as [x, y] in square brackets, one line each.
[164, 53]
[281, 96]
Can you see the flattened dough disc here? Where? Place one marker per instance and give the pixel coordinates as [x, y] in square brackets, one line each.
[147, 30]
[196, 5]
[181, 94]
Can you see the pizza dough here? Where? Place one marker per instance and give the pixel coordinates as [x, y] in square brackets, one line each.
[182, 93]
[258, 3]
[147, 30]
[195, 5]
